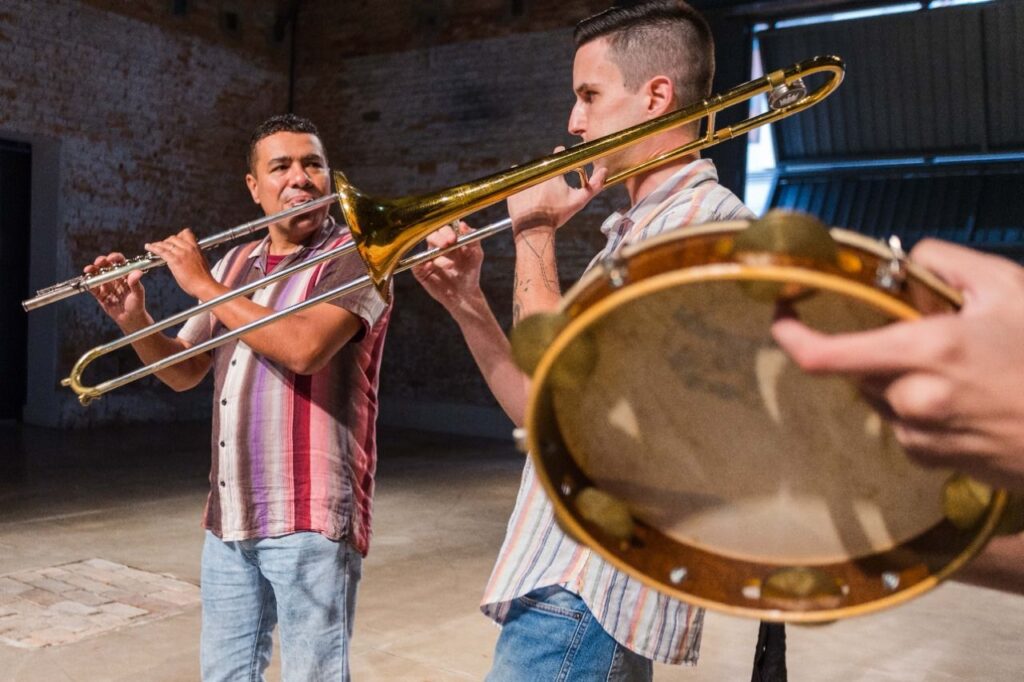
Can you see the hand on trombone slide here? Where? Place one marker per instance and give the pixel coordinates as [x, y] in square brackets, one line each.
[454, 278]
[552, 203]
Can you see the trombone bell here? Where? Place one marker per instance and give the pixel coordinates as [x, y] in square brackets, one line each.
[383, 228]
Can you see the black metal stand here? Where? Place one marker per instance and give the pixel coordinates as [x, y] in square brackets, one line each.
[770, 654]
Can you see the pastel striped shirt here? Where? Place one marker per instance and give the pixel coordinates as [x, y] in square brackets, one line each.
[294, 452]
[536, 553]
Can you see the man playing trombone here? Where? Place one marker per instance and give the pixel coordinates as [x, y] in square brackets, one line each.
[565, 612]
[291, 484]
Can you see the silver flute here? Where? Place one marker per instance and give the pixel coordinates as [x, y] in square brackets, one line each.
[148, 261]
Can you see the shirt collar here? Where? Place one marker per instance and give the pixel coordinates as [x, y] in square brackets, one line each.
[316, 241]
[689, 176]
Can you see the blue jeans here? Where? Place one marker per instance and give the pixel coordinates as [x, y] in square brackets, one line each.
[303, 581]
[550, 634]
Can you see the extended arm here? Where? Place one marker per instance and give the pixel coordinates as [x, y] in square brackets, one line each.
[302, 342]
[454, 281]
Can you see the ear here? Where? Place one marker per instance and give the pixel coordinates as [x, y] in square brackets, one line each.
[660, 96]
[250, 181]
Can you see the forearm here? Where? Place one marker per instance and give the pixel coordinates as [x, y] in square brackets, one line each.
[536, 287]
[155, 347]
[296, 341]
[490, 349]
[1000, 566]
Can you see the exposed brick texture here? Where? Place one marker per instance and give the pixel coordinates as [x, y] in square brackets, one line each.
[152, 119]
[363, 27]
[152, 112]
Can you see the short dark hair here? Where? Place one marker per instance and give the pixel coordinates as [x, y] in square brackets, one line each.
[657, 37]
[282, 123]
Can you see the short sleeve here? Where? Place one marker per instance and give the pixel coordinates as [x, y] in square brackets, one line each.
[365, 303]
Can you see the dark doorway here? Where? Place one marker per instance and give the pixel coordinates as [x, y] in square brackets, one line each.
[15, 194]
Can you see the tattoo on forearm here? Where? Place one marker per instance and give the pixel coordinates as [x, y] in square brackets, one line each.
[549, 276]
[550, 279]
[518, 289]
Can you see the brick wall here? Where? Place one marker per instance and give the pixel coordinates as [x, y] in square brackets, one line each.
[150, 114]
[363, 27]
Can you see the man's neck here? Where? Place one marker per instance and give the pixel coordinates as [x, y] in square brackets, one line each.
[286, 239]
[640, 186]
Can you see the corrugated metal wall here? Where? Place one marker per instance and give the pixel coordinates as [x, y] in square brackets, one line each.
[980, 205]
[919, 85]
[914, 85]
[1003, 26]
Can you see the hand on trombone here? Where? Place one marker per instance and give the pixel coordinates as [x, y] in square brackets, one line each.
[551, 204]
[453, 279]
[951, 385]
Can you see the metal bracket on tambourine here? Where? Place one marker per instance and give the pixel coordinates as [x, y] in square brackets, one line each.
[617, 270]
[530, 338]
[892, 274]
[783, 237]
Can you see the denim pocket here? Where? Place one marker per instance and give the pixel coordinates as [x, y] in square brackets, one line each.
[555, 601]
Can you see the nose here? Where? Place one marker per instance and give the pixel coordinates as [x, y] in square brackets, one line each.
[297, 176]
[577, 121]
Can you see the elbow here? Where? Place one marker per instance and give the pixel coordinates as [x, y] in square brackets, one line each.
[313, 355]
[306, 363]
[184, 377]
[180, 384]
[303, 369]
[185, 381]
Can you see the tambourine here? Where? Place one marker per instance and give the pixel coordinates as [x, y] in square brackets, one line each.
[675, 438]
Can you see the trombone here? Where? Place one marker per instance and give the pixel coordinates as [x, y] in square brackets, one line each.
[384, 230]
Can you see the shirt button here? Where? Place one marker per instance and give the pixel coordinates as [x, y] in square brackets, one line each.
[234, 362]
[224, 401]
[223, 484]
[222, 443]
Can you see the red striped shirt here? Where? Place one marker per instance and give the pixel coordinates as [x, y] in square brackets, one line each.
[294, 452]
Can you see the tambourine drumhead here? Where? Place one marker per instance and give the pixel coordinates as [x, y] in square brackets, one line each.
[669, 395]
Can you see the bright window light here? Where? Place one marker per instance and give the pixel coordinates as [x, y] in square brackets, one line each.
[852, 14]
[760, 148]
[953, 3]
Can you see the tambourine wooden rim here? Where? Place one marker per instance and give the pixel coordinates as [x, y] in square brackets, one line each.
[693, 574]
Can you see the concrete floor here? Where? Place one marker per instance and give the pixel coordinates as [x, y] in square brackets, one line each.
[133, 496]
